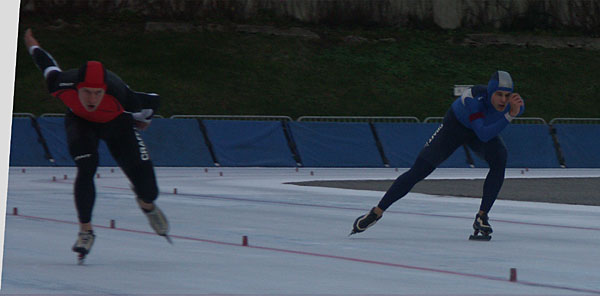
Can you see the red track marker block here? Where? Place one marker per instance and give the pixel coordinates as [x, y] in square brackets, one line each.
[513, 274]
[245, 240]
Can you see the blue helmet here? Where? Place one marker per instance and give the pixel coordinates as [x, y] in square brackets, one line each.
[500, 80]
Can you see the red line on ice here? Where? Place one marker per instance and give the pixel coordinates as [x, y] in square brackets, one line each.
[352, 259]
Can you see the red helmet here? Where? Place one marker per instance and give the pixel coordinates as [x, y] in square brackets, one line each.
[92, 75]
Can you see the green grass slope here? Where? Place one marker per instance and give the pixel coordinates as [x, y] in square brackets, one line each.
[230, 73]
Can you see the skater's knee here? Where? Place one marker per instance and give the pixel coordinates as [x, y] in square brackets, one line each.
[86, 164]
[498, 158]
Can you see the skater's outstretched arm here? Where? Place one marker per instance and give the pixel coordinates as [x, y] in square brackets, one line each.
[42, 59]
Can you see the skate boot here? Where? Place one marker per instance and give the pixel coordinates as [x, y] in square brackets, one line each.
[83, 245]
[365, 221]
[482, 228]
[157, 221]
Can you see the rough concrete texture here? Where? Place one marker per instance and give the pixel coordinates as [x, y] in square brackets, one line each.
[444, 13]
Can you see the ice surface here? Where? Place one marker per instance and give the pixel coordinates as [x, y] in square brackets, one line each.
[298, 238]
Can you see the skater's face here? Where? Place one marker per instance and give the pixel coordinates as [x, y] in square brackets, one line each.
[500, 99]
[90, 97]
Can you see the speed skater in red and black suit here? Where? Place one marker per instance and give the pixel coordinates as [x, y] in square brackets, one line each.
[102, 107]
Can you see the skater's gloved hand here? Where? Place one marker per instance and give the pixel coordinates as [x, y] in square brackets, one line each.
[516, 102]
[30, 41]
[143, 118]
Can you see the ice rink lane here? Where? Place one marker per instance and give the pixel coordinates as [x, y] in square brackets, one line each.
[298, 239]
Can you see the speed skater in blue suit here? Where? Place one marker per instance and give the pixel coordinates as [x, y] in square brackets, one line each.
[476, 119]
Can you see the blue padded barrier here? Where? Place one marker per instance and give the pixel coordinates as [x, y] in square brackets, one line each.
[335, 144]
[177, 142]
[53, 131]
[580, 144]
[528, 146]
[25, 147]
[402, 143]
[249, 143]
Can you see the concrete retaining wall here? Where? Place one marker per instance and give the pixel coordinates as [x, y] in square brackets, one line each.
[447, 14]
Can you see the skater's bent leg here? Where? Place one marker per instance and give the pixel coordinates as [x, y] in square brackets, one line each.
[130, 152]
[446, 139]
[85, 191]
[83, 146]
[496, 158]
[403, 184]
[144, 181]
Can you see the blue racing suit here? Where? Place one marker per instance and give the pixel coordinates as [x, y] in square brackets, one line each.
[471, 120]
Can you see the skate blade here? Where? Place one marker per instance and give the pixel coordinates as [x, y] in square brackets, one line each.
[80, 259]
[354, 232]
[168, 238]
[480, 237]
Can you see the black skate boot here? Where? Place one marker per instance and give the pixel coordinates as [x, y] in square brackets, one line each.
[83, 245]
[365, 221]
[482, 228]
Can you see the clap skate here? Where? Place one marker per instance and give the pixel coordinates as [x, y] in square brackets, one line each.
[482, 228]
[365, 221]
[83, 245]
[158, 221]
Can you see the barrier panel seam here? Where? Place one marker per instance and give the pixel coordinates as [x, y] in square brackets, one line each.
[386, 162]
[42, 140]
[291, 144]
[208, 142]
